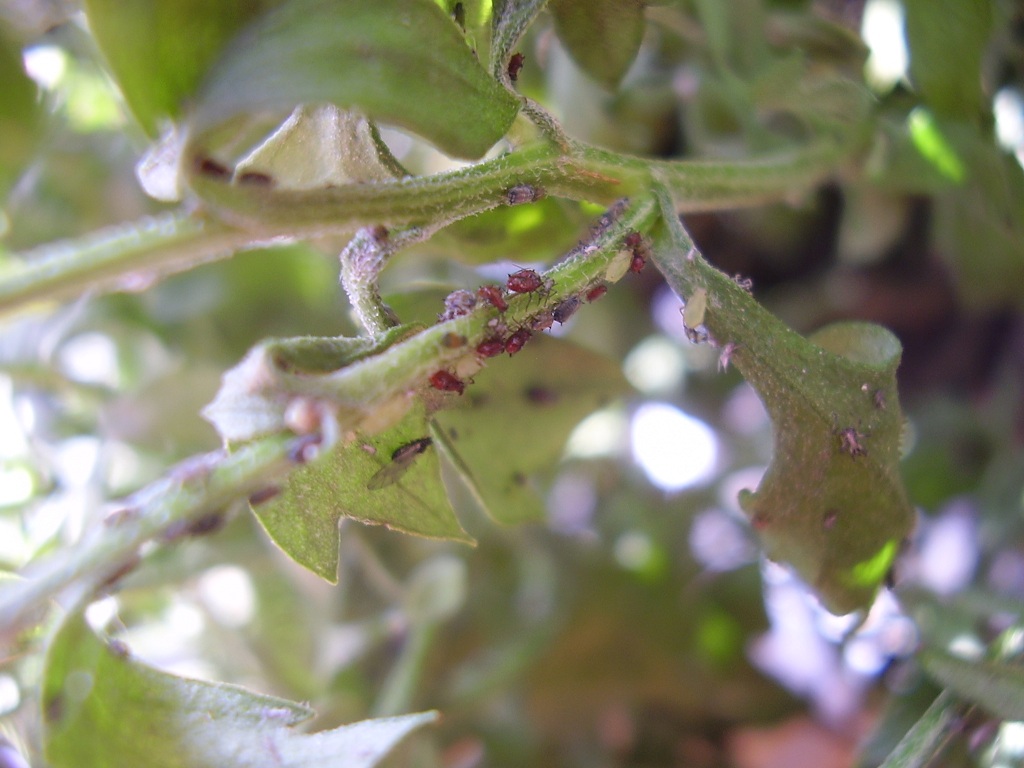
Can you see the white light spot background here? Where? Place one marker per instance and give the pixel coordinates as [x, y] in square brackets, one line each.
[675, 450]
[882, 30]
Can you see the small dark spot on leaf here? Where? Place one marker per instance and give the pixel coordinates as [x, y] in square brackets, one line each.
[263, 495]
[207, 166]
[201, 526]
[830, 518]
[53, 710]
[541, 395]
[453, 341]
[255, 179]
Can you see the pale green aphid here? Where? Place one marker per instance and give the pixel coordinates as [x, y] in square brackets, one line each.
[693, 313]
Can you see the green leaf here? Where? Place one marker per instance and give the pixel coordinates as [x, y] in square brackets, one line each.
[925, 739]
[367, 480]
[510, 20]
[947, 40]
[159, 50]
[509, 432]
[996, 686]
[402, 62]
[602, 36]
[832, 502]
[103, 708]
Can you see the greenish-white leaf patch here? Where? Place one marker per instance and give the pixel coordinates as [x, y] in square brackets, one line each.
[104, 708]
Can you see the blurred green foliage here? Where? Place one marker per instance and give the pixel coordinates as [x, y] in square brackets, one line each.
[606, 635]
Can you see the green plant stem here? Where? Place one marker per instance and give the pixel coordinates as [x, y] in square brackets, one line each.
[124, 257]
[133, 255]
[359, 388]
[583, 173]
[396, 694]
[361, 263]
[199, 487]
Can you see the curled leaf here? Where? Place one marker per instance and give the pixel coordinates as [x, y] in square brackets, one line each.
[399, 62]
[832, 502]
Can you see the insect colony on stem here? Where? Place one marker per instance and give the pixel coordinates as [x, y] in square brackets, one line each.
[525, 282]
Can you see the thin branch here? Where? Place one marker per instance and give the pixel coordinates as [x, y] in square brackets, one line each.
[179, 504]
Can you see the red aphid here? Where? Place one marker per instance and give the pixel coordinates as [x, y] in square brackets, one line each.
[641, 250]
[447, 382]
[596, 292]
[490, 347]
[514, 65]
[492, 295]
[524, 281]
[517, 341]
